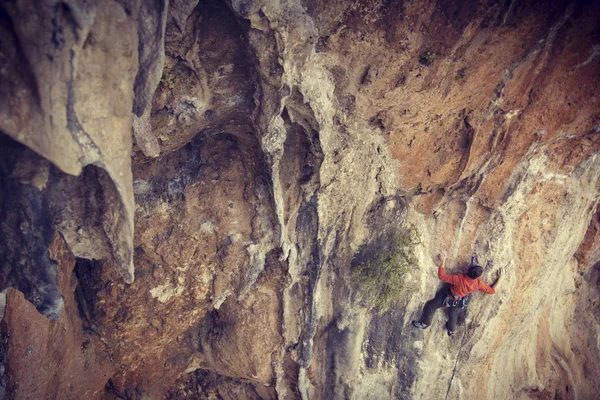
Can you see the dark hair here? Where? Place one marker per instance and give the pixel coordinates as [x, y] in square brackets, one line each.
[475, 272]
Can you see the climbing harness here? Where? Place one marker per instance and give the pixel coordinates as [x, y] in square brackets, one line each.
[452, 300]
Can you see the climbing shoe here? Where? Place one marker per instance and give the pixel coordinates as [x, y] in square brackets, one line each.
[450, 333]
[419, 324]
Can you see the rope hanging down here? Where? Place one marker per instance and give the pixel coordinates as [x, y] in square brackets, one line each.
[462, 341]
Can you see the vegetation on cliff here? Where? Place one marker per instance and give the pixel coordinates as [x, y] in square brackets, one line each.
[379, 268]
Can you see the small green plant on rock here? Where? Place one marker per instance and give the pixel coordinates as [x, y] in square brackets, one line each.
[379, 269]
[427, 58]
[168, 81]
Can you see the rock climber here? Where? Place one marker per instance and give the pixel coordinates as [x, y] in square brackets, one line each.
[453, 297]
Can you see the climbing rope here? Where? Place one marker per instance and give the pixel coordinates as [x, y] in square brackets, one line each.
[462, 342]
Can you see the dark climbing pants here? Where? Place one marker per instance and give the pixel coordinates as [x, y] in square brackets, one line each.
[431, 307]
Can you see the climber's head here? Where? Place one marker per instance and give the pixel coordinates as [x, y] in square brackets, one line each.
[475, 272]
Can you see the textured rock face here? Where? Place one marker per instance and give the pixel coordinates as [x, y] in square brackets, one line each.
[66, 81]
[272, 139]
[52, 357]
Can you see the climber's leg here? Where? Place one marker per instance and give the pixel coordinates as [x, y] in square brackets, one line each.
[452, 318]
[431, 307]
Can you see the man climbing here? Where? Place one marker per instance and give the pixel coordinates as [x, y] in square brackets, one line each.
[454, 299]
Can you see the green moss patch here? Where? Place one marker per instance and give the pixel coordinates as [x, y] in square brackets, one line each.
[379, 268]
[427, 58]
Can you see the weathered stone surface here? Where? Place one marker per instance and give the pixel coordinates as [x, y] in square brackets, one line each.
[204, 226]
[207, 385]
[26, 228]
[293, 132]
[37, 200]
[66, 82]
[151, 34]
[208, 81]
[52, 359]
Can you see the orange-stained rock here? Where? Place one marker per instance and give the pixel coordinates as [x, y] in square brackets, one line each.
[53, 359]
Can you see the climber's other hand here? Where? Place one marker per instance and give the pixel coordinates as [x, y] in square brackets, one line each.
[441, 258]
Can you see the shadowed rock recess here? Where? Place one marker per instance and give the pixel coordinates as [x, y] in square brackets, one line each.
[262, 149]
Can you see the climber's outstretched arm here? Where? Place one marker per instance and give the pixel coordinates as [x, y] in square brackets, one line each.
[441, 262]
[499, 279]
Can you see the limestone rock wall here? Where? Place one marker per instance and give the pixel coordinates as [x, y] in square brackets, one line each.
[273, 139]
[66, 82]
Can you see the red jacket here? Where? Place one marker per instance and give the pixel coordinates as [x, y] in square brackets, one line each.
[461, 285]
